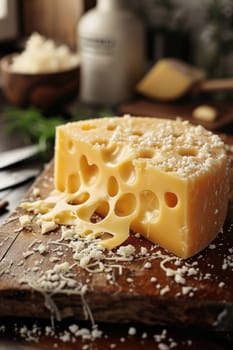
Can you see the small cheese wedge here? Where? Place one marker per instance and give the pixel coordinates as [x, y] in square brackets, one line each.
[205, 113]
[169, 79]
[167, 180]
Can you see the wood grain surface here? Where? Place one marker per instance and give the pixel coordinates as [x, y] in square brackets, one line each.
[205, 316]
[151, 108]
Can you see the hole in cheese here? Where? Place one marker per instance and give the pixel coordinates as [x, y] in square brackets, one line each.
[87, 212]
[102, 208]
[71, 146]
[100, 142]
[149, 207]
[125, 205]
[87, 232]
[111, 127]
[187, 152]
[73, 183]
[89, 171]
[171, 199]
[111, 154]
[104, 235]
[79, 199]
[127, 172]
[88, 126]
[137, 133]
[146, 153]
[113, 186]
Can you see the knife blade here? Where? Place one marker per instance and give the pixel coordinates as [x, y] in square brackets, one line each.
[11, 178]
[17, 155]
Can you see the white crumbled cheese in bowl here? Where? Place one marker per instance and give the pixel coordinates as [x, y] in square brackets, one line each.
[42, 55]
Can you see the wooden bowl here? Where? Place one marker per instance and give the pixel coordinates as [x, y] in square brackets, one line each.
[43, 90]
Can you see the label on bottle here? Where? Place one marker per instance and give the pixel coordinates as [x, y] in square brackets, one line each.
[101, 46]
[104, 73]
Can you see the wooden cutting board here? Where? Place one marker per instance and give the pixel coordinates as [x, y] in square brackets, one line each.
[146, 107]
[153, 288]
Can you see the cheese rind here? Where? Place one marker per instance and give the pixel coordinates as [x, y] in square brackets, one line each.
[167, 180]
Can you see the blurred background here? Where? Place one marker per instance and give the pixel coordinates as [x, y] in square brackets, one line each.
[199, 31]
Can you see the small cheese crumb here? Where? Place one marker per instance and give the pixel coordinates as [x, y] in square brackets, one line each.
[153, 279]
[36, 192]
[132, 331]
[163, 346]
[129, 280]
[221, 284]
[48, 226]
[27, 254]
[42, 55]
[164, 290]
[179, 279]
[186, 290]
[212, 246]
[126, 250]
[143, 251]
[205, 113]
[73, 328]
[24, 220]
[147, 265]
[63, 267]
[42, 248]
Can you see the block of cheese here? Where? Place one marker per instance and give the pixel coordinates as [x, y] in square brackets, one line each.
[169, 79]
[167, 180]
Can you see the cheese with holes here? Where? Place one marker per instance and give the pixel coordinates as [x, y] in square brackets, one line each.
[167, 180]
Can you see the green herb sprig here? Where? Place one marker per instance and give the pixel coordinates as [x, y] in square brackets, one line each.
[34, 126]
[38, 128]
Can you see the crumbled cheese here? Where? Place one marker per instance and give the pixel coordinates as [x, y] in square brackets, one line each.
[129, 280]
[128, 250]
[48, 226]
[143, 250]
[63, 267]
[132, 331]
[147, 265]
[186, 290]
[179, 279]
[164, 290]
[36, 192]
[163, 346]
[24, 220]
[212, 246]
[221, 284]
[27, 253]
[42, 56]
[42, 248]
[153, 279]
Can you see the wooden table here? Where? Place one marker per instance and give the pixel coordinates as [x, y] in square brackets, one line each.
[31, 334]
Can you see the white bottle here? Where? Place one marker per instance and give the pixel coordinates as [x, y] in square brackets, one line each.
[111, 47]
